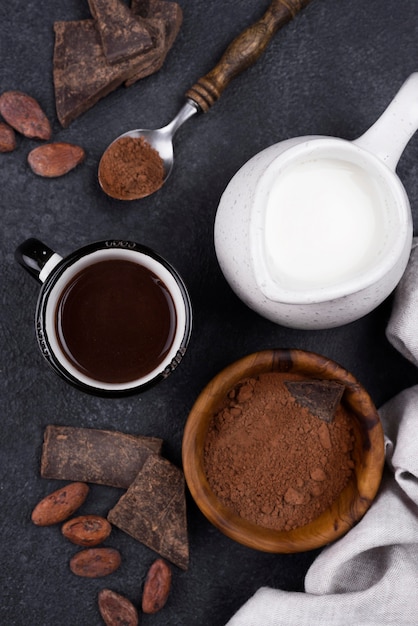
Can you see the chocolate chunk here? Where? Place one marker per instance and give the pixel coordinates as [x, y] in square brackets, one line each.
[164, 20]
[320, 397]
[123, 35]
[170, 13]
[153, 59]
[95, 456]
[82, 74]
[153, 510]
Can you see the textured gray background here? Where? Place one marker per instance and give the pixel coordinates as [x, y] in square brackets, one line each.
[331, 71]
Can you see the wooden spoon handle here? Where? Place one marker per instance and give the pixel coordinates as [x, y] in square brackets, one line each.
[243, 52]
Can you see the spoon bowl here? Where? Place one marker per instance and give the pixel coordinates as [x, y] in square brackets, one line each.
[159, 140]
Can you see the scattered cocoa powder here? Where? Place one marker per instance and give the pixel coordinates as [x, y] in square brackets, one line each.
[271, 460]
[131, 168]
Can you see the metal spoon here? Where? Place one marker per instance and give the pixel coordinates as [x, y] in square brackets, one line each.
[241, 54]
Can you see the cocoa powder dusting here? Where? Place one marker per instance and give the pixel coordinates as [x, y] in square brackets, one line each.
[131, 168]
[272, 461]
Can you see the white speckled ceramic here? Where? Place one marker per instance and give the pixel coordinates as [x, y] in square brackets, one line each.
[240, 219]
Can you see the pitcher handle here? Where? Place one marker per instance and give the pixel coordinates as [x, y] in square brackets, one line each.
[389, 135]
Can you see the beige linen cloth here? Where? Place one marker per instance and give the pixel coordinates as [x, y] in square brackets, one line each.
[370, 576]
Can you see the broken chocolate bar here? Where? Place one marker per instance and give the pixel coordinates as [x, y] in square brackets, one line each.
[157, 12]
[170, 13]
[153, 510]
[320, 397]
[95, 456]
[83, 75]
[154, 57]
[123, 35]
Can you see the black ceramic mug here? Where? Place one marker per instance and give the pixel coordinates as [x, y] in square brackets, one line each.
[112, 318]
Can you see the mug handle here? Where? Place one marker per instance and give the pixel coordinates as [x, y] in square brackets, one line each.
[36, 258]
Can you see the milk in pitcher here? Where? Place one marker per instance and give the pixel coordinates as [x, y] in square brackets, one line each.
[323, 223]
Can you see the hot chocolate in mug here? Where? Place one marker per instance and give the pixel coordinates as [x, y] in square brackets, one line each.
[112, 318]
[315, 232]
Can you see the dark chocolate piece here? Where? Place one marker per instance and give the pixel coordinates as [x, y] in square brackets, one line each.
[96, 456]
[82, 74]
[164, 20]
[154, 58]
[153, 510]
[123, 35]
[320, 397]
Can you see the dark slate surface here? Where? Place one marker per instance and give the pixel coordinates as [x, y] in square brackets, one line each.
[331, 71]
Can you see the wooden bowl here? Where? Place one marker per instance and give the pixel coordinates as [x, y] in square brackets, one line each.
[368, 454]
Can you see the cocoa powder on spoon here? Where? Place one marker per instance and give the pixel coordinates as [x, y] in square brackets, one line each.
[131, 168]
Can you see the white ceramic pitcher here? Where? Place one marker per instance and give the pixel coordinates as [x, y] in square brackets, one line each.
[264, 263]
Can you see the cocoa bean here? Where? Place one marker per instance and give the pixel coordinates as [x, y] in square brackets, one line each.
[95, 562]
[156, 587]
[59, 505]
[116, 610]
[7, 138]
[86, 530]
[24, 114]
[55, 159]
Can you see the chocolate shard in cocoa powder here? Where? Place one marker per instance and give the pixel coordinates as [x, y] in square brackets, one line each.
[153, 510]
[123, 35]
[320, 397]
[96, 456]
[82, 74]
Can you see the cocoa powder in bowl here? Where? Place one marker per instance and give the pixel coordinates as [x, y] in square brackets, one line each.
[273, 461]
[283, 451]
